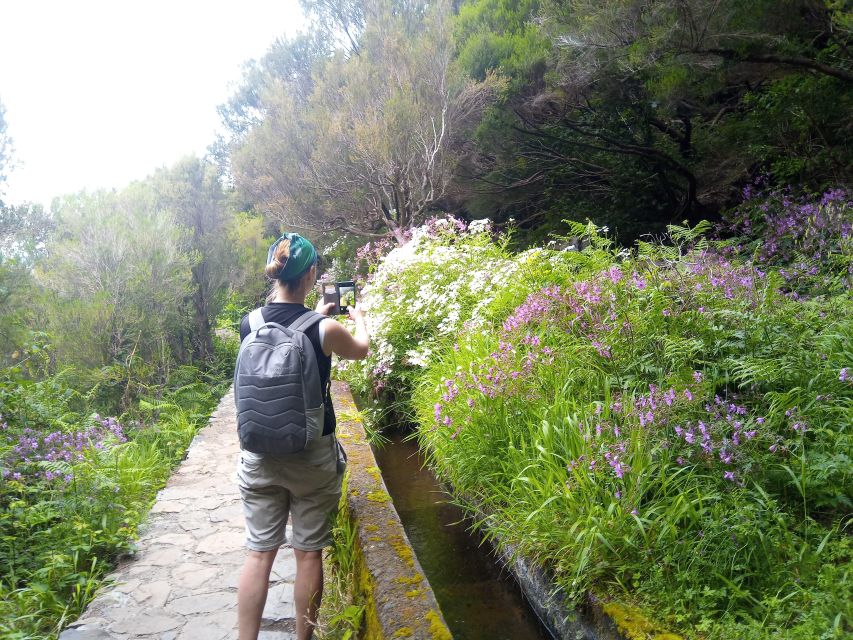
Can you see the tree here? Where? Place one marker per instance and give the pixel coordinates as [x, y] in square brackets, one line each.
[374, 147]
[119, 269]
[655, 111]
[23, 229]
[193, 196]
[5, 149]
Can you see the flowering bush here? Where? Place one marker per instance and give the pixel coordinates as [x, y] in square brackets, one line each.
[28, 456]
[810, 240]
[671, 428]
[73, 487]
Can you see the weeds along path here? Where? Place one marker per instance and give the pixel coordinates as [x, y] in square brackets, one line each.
[182, 582]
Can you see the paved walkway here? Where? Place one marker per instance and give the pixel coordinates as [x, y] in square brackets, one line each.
[182, 583]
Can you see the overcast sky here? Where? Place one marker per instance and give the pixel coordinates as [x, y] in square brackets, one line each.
[100, 93]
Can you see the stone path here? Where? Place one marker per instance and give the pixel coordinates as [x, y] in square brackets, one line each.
[182, 582]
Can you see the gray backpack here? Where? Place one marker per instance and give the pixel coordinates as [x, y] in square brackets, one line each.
[277, 387]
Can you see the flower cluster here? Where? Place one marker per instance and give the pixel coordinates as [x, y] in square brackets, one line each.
[29, 448]
[803, 236]
[688, 430]
[425, 290]
[371, 254]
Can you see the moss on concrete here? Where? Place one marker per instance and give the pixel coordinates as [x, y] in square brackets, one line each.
[376, 472]
[634, 625]
[415, 579]
[437, 627]
[403, 549]
[398, 600]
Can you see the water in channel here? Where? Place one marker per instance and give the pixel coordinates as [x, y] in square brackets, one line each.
[479, 600]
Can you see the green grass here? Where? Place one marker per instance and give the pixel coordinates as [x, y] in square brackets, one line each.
[575, 428]
[58, 540]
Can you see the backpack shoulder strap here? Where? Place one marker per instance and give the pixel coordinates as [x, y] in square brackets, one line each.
[256, 319]
[306, 321]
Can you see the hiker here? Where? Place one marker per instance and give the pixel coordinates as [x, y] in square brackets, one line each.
[306, 484]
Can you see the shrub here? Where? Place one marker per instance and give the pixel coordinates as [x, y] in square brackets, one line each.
[75, 485]
[668, 427]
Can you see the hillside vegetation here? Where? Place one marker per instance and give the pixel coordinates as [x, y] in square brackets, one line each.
[608, 247]
[667, 427]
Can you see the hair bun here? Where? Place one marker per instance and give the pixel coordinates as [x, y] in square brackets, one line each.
[282, 253]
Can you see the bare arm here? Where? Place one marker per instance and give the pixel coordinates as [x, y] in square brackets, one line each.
[339, 340]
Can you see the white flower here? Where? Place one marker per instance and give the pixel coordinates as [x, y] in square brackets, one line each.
[480, 226]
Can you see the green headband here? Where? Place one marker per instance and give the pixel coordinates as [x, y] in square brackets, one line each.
[302, 257]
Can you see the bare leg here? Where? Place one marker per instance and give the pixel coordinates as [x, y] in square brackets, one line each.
[307, 591]
[252, 592]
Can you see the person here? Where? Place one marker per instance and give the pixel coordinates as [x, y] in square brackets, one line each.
[305, 485]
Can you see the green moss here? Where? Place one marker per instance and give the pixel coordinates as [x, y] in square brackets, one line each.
[415, 579]
[634, 625]
[404, 551]
[437, 627]
[345, 415]
[378, 496]
[414, 593]
[402, 632]
[372, 628]
[375, 473]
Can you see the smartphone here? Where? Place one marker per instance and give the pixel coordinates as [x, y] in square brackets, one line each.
[346, 295]
[330, 294]
[341, 294]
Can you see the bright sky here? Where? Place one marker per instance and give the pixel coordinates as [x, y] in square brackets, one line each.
[99, 93]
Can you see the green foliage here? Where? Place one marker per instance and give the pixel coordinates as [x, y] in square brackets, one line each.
[499, 35]
[640, 114]
[342, 609]
[787, 128]
[64, 518]
[669, 428]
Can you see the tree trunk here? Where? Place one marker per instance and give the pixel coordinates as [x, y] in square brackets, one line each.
[203, 339]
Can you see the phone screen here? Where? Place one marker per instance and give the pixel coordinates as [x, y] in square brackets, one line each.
[346, 291]
[330, 293]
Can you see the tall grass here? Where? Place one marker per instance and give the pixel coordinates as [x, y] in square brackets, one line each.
[669, 427]
[75, 487]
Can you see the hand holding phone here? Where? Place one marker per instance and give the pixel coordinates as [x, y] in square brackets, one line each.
[340, 294]
[356, 313]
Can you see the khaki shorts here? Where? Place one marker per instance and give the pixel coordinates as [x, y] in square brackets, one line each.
[306, 487]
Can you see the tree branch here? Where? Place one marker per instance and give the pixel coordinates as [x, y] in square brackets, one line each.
[772, 58]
